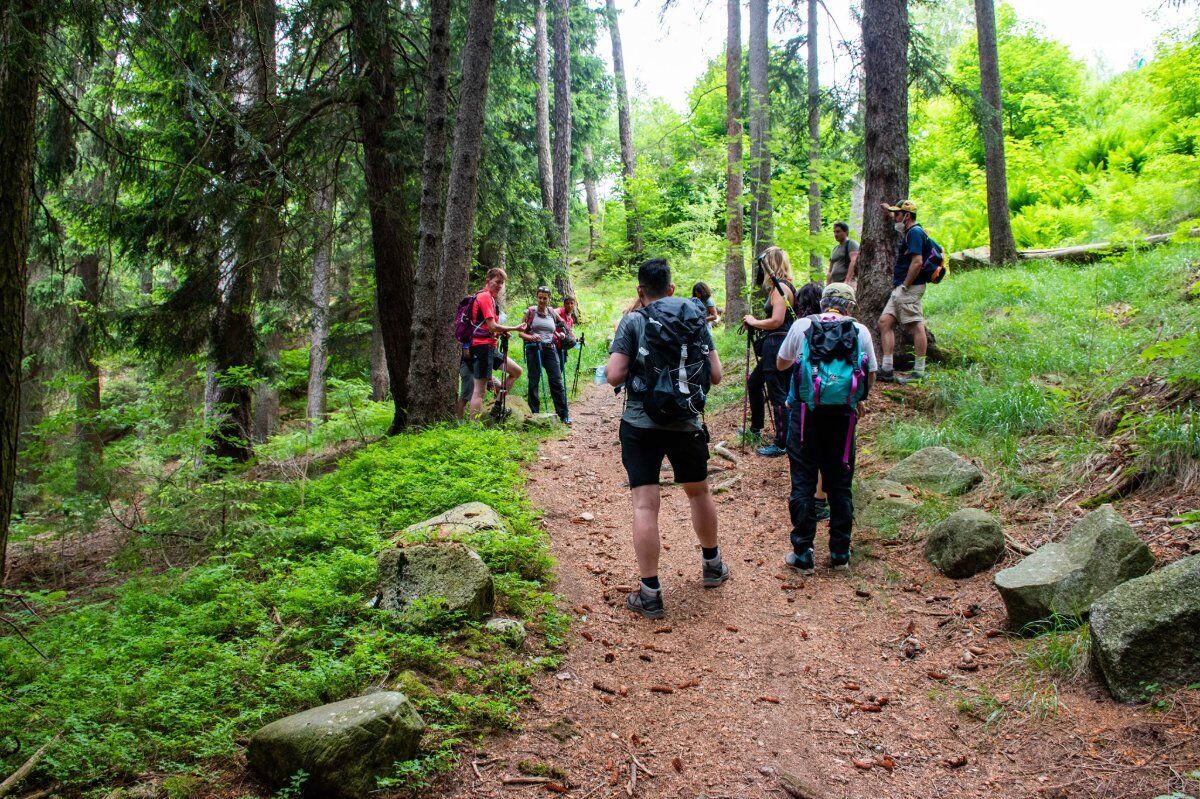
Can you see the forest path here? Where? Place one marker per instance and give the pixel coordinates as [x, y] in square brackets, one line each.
[741, 683]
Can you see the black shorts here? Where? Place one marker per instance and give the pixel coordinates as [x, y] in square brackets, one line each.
[485, 359]
[643, 448]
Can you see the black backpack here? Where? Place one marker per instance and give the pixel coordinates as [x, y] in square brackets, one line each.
[672, 373]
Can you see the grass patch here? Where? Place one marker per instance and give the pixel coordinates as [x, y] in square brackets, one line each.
[1059, 653]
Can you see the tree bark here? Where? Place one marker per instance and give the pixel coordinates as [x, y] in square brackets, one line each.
[426, 325]
[89, 445]
[735, 265]
[562, 142]
[542, 110]
[391, 239]
[379, 371]
[1002, 246]
[815, 258]
[885, 64]
[762, 232]
[461, 196]
[318, 336]
[593, 204]
[633, 221]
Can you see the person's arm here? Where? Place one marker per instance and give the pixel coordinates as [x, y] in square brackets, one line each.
[850, 270]
[778, 312]
[711, 314]
[714, 362]
[789, 350]
[617, 369]
[913, 270]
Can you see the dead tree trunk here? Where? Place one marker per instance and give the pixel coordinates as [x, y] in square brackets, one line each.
[89, 445]
[1000, 236]
[562, 143]
[461, 196]
[380, 385]
[885, 65]
[593, 204]
[542, 107]
[762, 233]
[735, 265]
[815, 259]
[633, 222]
[318, 335]
[427, 325]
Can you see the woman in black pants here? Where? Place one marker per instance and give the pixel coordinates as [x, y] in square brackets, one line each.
[778, 315]
[543, 327]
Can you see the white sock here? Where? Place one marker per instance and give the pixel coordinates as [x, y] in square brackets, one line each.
[887, 363]
[647, 590]
[919, 365]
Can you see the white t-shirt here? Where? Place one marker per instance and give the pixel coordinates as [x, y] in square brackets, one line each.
[794, 343]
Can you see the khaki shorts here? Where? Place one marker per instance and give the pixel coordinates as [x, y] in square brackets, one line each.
[905, 304]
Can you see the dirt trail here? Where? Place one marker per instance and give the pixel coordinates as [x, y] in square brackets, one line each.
[760, 676]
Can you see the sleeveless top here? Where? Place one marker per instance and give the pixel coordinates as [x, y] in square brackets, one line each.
[789, 316]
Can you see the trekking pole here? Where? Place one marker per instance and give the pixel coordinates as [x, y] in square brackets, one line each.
[745, 386]
[542, 379]
[578, 360]
[502, 401]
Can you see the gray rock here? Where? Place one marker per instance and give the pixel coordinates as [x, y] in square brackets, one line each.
[965, 543]
[937, 469]
[343, 747]
[516, 409]
[544, 421]
[882, 502]
[443, 569]
[510, 630]
[1065, 578]
[472, 517]
[1147, 631]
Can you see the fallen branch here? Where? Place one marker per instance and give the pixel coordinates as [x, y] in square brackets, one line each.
[525, 780]
[32, 645]
[1017, 545]
[724, 452]
[21, 773]
[797, 788]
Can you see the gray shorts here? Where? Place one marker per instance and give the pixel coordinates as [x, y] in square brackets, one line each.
[466, 381]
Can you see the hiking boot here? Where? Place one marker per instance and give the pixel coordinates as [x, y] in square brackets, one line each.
[771, 451]
[886, 375]
[839, 563]
[821, 509]
[715, 573]
[915, 377]
[802, 563]
[649, 605]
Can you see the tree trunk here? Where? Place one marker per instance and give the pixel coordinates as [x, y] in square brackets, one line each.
[633, 222]
[542, 101]
[379, 371]
[232, 352]
[562, 142]
[318, 336]
[462, 193]
[815, 258]
[427, 325]
[391, 239]
[593, 204]
[89, 445]
[762, 233]
[1000, 236]
[885, 65]
[735, 265]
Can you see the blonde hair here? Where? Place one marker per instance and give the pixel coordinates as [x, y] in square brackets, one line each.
[496, 272]
[777, 263]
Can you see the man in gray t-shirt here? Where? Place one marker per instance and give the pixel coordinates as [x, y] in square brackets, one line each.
[644, 444]
[844, 258]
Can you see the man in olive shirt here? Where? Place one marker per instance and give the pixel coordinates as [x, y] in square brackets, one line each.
[844, 258]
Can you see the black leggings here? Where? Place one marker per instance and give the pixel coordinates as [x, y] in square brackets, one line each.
[765, 382]
[537, 358]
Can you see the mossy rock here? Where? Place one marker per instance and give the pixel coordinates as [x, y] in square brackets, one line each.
[937, 469]
[343, 747]
[544, 421]
[879, 503]
[443, 570]
[965, 543]
[470, 517]
[516, 412]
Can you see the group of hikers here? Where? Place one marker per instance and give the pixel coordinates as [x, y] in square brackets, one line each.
[815, 368]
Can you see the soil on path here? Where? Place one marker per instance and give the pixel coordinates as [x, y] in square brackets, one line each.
[771, 673]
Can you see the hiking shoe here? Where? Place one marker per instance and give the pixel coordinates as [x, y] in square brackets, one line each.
[650, 606]
[915, 377]
[801, 563]
[750, 436]
[715, 573]
[886, 375]
[771, 451]
[840, 563]
[821, 509]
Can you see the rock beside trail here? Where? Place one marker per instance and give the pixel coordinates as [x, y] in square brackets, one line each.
[343, 747]
[472, 517]
[881, 502]
[544, 421]
[965, 543]
[516, 411]
[511, 630]
[1147, 631]
[1064, 578]
[444, 569]
[937, 469]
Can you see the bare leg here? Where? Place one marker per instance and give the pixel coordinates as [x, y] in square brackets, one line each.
[704, 512]
[477, 397]
[920, 340]
[513, 370]
[887, 334]
[646, 500]
[820, 492]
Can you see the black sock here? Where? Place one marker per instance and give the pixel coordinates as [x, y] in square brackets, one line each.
[651, 583]
[710, 553]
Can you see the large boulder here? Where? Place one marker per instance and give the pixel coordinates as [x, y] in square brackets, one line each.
[937, 469]
[965, 543]
[342, 747]
[516, 412]
[443, 569]
[1147, 631]
[471, 517]
[1065, 578]
[544, 421]
[881, 502]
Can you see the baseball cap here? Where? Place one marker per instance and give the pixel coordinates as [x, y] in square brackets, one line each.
[838, 291]
[905, 205]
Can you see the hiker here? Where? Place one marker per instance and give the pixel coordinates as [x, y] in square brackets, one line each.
[704, 295]
[844, 258]
[908, 286]
[466, 380]
[773, 272]
[662, 418]
[486, 327]
[569, 313]
[835, 366]
[542, 329]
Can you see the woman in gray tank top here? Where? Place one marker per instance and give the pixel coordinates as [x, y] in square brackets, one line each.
[543, 327]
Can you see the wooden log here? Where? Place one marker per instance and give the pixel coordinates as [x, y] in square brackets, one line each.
[977, 257]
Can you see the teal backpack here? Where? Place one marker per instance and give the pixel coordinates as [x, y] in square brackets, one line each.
[831, 370]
